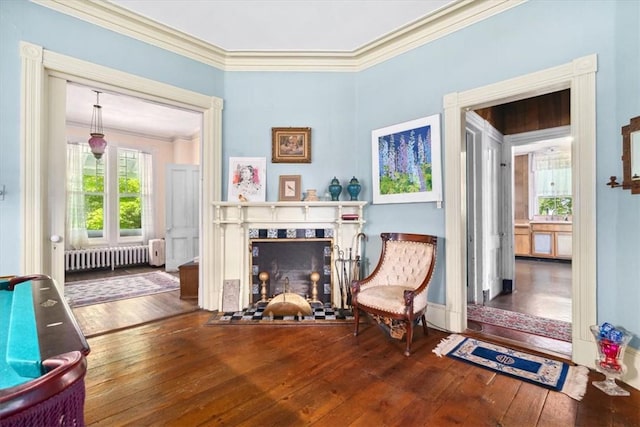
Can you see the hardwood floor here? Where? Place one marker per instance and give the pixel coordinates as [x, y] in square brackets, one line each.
[179, 372]
[543, 288]
[98, 319]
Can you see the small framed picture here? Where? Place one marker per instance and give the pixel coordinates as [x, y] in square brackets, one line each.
[289, 188]
[291, 145]
[247, 179]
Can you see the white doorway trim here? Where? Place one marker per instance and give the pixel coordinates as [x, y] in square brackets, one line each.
[36, 65]
[579, 76]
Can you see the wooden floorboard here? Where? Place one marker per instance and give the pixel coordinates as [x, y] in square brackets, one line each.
[181, 372]
[96, 319]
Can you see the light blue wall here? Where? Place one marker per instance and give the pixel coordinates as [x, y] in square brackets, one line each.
[343, 108]
[522, 40]
[21, 20]
[256, 102]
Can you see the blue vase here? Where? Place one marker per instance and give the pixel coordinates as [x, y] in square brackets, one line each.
[335, 189]
[353, 188]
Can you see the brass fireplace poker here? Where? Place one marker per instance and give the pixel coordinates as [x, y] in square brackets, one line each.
[348, 269]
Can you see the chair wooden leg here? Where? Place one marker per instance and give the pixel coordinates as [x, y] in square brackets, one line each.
[356, 318]
[424, 325]
[409, 324]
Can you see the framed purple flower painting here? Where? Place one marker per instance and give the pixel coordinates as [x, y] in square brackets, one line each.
[406, 162]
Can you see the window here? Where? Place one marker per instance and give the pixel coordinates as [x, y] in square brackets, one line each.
[129, 197]
[93, 184]
[552, 183]
[108, 200]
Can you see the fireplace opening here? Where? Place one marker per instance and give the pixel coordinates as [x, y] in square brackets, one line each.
[289, 264]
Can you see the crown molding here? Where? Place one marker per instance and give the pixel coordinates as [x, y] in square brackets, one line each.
[446, 20]
[123, 21]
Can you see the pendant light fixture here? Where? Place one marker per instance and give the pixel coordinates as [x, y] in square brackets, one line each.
[97, 141]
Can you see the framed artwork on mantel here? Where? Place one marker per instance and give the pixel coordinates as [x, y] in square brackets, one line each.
[289, 188]
[406, 162]
[247, 179]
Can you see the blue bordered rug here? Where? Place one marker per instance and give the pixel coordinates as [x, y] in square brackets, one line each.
[548, 373]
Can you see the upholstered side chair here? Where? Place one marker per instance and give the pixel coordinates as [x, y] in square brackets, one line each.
[395, 293]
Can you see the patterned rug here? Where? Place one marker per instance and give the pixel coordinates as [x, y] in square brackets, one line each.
[87, 292]
[530, 324]
[548, 373]
[322, 314]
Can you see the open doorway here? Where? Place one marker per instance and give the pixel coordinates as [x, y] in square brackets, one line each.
[119, 224]
[520, 211]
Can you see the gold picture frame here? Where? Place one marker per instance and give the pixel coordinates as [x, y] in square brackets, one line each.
[291, 145]
[289, 188]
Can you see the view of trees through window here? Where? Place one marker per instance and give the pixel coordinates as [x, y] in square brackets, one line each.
[128, 199]
[557, 205]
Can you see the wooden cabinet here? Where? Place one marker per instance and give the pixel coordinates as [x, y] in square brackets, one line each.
[543, 239]
[188, 280]
[551, 240]
[522, 237]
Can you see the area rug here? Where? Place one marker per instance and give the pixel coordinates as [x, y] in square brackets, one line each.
[87, 292]
[522, 322]
[323, 314]
[548, 373]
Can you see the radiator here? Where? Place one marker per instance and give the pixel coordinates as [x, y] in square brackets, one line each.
[156, 252]
[84, 259]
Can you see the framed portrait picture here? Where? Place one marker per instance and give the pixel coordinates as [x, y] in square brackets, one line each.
[289, 188]
[406, 162]
[247, 179]
[291, 145]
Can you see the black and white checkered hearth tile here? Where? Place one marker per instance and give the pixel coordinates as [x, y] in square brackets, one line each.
[320, 312]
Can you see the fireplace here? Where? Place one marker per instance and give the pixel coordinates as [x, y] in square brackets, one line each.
[247, 238]
[289, 263]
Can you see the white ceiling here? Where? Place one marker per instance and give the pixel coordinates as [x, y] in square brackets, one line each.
[289, 25]
[130, 115]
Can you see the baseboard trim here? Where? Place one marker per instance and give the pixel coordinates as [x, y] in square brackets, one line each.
[632, 362]
[436, 314]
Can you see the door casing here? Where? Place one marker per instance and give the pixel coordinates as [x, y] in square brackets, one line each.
[579, 76]
[37, 64]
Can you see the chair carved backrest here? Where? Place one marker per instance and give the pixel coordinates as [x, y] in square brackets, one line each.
[395, 293]
[403, 263]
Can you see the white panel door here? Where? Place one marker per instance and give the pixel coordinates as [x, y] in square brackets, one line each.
[182, 210]
[485, 207]
[491, 214]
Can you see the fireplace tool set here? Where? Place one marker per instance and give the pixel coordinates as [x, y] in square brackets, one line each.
[347, 269]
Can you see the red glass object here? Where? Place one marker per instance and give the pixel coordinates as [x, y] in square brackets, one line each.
[611, 352]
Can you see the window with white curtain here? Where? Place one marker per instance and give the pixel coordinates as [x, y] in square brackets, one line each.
[552, 183]
[109, 201]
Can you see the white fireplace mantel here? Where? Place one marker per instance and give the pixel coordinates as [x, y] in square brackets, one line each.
[233, 220]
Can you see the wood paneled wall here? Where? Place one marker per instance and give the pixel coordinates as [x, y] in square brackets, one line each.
[521, 187]
[540, 112]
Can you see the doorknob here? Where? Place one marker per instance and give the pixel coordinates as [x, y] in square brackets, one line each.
[56, 239]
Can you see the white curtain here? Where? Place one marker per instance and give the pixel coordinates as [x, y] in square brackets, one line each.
[552, 174]
[146, 193]
[76, 229]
